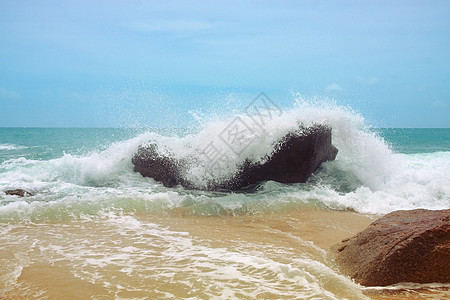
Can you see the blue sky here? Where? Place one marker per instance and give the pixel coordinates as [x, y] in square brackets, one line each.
[148, 63]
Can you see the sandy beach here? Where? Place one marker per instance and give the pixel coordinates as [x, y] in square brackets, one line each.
[218, 257]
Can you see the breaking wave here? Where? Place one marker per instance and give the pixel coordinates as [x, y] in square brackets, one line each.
[367, 175]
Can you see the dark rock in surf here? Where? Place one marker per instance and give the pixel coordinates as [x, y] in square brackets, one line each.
[403, 246]
[18, 192]
[296, 157]
[150, 163]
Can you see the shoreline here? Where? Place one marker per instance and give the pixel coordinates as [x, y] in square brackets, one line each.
[282, 238]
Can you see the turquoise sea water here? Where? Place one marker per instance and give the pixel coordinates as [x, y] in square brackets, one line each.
[89, 170]
[416, 140]
[73, 171]
[51, 143]
[108, 226]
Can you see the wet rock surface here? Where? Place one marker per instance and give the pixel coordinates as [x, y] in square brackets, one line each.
[298, 155]
[18, 192]
[402, 246]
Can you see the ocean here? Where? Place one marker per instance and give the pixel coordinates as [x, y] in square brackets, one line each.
[95, 229]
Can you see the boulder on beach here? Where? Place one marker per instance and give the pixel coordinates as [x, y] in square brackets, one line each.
[18, 192]
[297, 156]
[402, 246]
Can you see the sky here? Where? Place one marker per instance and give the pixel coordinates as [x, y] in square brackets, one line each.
[158, 63]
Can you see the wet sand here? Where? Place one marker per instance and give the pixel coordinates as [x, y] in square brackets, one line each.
[180, 255]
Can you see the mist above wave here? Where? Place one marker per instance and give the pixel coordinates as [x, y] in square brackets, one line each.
[366, 176]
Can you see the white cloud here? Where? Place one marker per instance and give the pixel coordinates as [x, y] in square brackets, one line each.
[8, 94]
[334, 87]
[168, 25]
[367, 80]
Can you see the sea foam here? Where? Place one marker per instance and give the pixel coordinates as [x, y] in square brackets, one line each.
[367, 175]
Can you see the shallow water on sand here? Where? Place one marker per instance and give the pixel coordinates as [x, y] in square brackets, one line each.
[270, 256]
